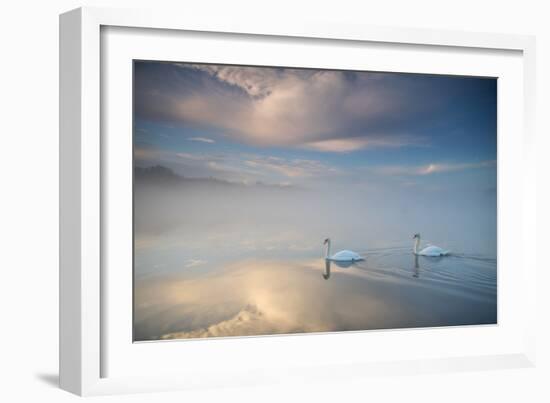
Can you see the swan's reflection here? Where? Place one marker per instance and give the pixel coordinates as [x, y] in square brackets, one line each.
[326, 274]
[429, 259]
[416, 272]
[342, 264]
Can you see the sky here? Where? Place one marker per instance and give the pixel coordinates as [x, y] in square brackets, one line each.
[301, 127]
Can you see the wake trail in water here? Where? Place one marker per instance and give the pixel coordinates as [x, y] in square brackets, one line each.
[407, 250]
[478, 258]
[467, 273]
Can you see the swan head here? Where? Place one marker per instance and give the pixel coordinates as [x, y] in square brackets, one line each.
[326, 241]
[415, 236]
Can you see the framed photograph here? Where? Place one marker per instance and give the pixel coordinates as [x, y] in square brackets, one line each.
[267, 203]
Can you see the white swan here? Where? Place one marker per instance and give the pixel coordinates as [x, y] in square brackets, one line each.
[430, 250]
[342, 256]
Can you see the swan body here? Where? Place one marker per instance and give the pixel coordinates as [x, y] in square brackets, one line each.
[342, 256]
[430, 250]
[345, 256]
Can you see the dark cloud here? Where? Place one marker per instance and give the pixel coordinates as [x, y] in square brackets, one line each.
[324, 110]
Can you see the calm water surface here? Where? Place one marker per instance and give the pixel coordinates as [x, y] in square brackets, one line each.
[245, 295]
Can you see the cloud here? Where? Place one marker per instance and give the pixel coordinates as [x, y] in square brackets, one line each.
[292, 168]
[256, 82]
[193, 157]
[434, 168]
[357, 143]
[201, 139]
[238, 167]
[145, 154]
[332, 111]
[194, 262]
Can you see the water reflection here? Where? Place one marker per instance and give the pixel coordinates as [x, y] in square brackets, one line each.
[326, 274]
[342, 264]
[254, 297]
[430, 259]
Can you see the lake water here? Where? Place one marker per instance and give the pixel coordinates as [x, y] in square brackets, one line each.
[391, 288]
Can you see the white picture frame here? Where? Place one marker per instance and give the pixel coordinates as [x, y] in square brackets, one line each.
[93, 350]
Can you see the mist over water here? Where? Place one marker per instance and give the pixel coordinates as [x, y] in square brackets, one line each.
[218, 258]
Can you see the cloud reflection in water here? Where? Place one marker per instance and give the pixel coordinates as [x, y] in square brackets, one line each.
[254, 297]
